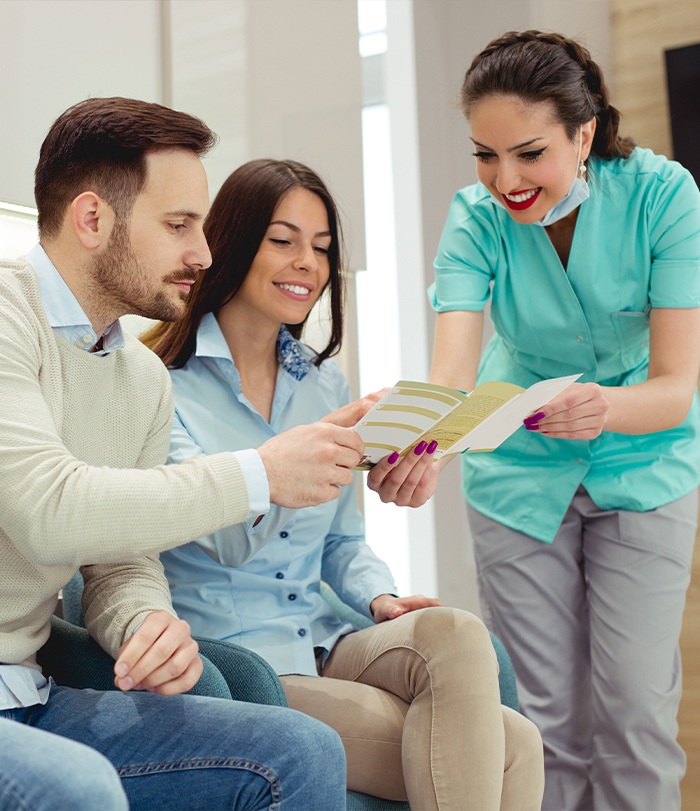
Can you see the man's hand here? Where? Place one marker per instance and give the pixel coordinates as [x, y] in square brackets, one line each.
[579, 412]
[387, 607]
[411, 482]
[308, 464]
[160, 657]
[352, 413]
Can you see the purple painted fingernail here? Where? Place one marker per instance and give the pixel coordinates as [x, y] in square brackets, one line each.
[531, 426]
[534, 418]
[420, 447]
[432, 447]
[393, 459]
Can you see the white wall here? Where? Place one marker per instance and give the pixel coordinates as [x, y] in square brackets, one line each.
[57, 53]
[271, 77]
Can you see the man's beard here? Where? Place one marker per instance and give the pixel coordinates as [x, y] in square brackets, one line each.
[119, 276]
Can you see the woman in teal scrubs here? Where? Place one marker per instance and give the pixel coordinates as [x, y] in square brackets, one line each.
[584, 521]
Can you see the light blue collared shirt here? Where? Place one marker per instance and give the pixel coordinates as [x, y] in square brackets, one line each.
[64, 313]
[259, 585]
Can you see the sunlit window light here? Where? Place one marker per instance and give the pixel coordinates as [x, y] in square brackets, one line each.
[372, 24]
[18, 230]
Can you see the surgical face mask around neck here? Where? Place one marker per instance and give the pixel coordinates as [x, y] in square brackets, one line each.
[578, 192]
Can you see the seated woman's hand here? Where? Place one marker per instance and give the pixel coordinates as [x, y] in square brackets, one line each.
[411, 482]
[387, 607]
[579, 412]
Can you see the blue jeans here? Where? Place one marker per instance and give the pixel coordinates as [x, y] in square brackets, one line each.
[34, 777]
[193, 753]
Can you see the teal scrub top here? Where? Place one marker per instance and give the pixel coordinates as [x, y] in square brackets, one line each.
[636, 246]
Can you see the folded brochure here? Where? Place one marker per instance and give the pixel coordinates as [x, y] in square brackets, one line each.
[479, 421]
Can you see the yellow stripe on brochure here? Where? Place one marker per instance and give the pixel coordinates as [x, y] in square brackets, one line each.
[400, 425]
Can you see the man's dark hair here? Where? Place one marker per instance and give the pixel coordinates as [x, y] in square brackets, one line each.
[101, 145]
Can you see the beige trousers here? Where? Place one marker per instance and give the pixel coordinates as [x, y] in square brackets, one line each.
[417, 705]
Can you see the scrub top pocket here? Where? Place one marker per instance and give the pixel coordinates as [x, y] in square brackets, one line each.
[632, 331]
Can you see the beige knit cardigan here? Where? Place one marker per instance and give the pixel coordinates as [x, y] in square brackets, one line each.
[83, 441]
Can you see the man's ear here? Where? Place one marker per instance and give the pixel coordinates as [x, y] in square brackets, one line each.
[92, 220]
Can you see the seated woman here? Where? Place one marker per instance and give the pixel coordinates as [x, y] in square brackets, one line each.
[415, 697]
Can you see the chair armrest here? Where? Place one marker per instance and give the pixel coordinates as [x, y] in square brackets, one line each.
[248, 676]
[73, 658]
[506, 675]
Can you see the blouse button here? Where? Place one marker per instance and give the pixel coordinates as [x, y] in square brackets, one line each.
[279, 576]
[284, 534]
[579, 339]
[302, 632]
[291, 596]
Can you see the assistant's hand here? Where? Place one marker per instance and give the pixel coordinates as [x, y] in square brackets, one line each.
[306, 465]
[411, 482]
[160, 657]
[387, 607]
[579, 412]
[352, 413]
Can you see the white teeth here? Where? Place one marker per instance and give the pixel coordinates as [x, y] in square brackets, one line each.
[521, 198]
[294, 288]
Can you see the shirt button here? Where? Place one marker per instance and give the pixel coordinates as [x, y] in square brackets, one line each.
[279, 576]
[291, 596]
[87, 338]
[302, 632]
[579, 339]
[284, 534]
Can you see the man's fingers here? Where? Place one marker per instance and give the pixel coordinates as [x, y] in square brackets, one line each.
[302, 464]
[352, 413]
[186, 681]
[154, 643]
[172, 670]
[140, 642]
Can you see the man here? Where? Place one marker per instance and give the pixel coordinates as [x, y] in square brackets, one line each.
[85, 415]
[33, 773]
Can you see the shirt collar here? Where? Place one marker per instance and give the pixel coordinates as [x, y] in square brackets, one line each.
[63, 311]
[212, 344]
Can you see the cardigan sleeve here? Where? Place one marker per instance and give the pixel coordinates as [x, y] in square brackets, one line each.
[60, 510]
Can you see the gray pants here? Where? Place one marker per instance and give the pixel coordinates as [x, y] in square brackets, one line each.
[592, 624]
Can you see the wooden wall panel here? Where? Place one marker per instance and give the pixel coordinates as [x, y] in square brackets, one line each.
[641, 30]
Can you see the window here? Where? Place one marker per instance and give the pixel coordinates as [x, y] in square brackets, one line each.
[18, 230]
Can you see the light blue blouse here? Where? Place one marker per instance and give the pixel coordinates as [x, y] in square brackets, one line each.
[636, 246]
[259, 586]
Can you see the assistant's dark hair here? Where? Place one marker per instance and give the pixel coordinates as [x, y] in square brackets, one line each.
[100, 145]
[546, 67]
[235, 227]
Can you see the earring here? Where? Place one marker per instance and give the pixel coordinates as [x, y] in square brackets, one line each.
[582, 169]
